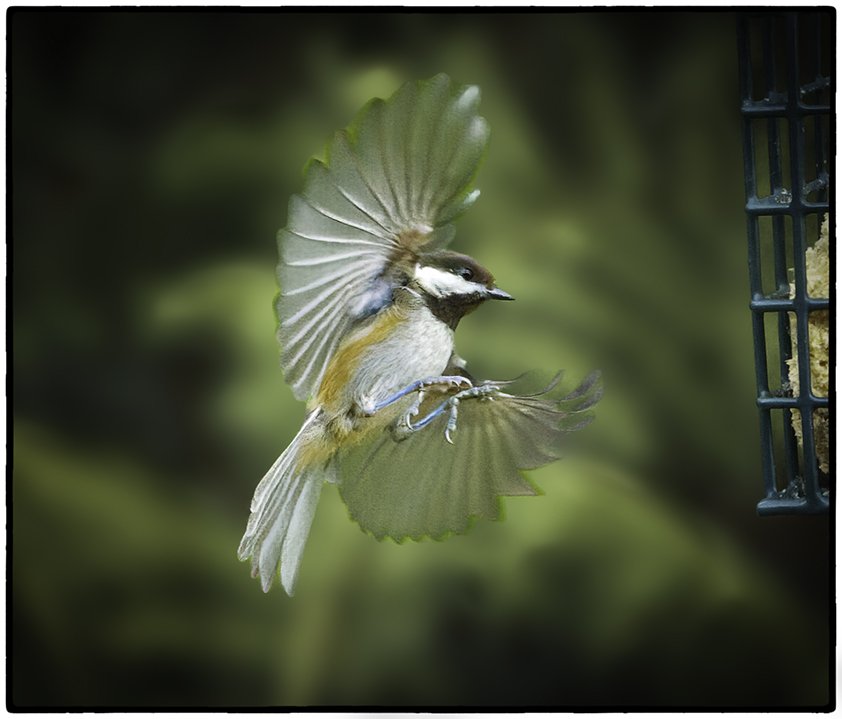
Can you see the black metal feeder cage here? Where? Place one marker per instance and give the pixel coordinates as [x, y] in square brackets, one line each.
[786, 92]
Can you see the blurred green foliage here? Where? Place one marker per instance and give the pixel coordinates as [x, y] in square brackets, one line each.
[152, 156]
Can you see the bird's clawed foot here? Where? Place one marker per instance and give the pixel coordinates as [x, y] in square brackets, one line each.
[483, 391]
[405, 426]
[444, 384]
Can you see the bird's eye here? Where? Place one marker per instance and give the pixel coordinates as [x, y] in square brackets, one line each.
[466, 273]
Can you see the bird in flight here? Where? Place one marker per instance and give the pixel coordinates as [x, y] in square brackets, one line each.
[370, 300]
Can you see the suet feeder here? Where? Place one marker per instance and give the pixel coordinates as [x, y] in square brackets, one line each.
[786, 98]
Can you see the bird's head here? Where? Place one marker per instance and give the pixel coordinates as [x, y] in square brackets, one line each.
[454, 284]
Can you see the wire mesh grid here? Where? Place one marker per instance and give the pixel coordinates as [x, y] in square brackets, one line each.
[786, 91]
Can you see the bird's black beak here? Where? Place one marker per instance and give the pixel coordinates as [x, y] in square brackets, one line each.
[497, 294]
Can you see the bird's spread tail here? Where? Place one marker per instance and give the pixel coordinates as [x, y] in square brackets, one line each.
[282, 511]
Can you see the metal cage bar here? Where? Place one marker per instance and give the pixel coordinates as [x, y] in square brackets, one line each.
[783, 116]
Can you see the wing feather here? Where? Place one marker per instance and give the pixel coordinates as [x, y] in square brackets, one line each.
[317, 223]
[394, 142]
[347, 175]
[312, 345]
[323, 302]
[423, 133]
[372, 161]
[323, 193]
[424, 487]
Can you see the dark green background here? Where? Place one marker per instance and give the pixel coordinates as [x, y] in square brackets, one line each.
[152, 156]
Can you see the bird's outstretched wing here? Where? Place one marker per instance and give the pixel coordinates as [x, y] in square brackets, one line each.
[422, 486]
[392, 183]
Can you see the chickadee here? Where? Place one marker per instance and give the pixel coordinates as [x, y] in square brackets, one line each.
[369, 303]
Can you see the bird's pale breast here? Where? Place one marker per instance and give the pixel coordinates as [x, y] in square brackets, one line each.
[401, 345]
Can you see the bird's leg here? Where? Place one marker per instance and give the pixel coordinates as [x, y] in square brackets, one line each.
[451, 420]
[485, 390]
[445, 383]
[405, 427]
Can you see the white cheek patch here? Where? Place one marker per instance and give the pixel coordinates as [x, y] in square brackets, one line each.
[440, 283]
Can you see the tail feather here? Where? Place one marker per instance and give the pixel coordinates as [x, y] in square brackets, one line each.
[282, 511]
[297, 532]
